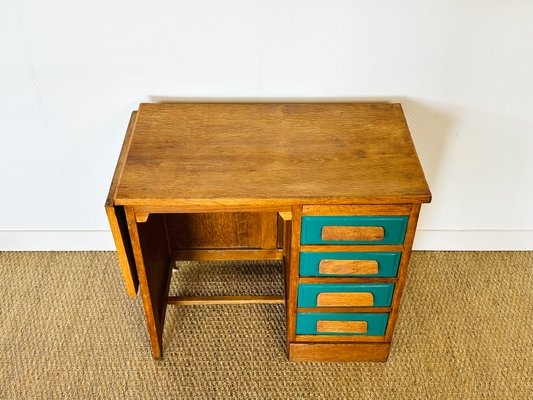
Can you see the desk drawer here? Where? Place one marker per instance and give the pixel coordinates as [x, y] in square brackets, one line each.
[345, 294]
[353, 229]
[353, 324]
[366, 264]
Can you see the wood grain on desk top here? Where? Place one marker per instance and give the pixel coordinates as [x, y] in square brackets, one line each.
[270, 154]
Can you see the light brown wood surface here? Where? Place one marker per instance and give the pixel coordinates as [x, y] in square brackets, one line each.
[323, 338]
[346, 267]
[222, 230]
[287, 244]
[338, 352]
[152, 257]
[271, 154]
[402, 270]
[335, 279]
[117, 218]
[342, 326]
[227, 254]
[345, 309]
[357, 209]
[352, 248]
[338, 299]
[119, 230]
[363, 233]
[182, 300]
[293, 272]
[121, 162]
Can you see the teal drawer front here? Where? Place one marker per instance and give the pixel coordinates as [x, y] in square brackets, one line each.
[342, 294]
[386, 263]
[310, 324]
[394, 228]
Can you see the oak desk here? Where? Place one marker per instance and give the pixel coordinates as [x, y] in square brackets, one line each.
[332, 190]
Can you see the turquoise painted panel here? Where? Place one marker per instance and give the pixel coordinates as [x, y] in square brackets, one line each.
[306, 323]
[394, 228]
[308, 292]
[387, 262]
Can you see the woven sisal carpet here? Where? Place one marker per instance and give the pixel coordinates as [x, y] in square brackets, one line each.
[67, 330]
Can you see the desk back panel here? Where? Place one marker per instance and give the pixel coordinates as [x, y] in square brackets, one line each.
[232, 230]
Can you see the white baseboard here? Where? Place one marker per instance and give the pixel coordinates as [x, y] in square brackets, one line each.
[482, 240]
[425, 240]
[56, 240]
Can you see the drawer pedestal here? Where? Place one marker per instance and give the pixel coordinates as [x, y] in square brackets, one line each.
[344, 295]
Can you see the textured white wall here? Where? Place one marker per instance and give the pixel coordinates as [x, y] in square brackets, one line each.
[72, 71]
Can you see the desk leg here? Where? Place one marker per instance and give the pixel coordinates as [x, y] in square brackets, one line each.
[152, 256]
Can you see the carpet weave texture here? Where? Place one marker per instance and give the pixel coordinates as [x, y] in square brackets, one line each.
[68, 330]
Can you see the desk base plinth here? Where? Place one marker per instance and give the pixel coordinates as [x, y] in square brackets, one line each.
[335, 352]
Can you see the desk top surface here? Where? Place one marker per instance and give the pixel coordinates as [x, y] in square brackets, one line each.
[268, 154]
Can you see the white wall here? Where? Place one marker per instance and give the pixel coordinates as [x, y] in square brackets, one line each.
[72, 71]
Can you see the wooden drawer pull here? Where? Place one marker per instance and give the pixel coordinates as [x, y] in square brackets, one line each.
[345, 299]
[346, 267]
[353, 233]
[342, 326]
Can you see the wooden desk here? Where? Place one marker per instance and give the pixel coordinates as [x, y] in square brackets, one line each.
[333, 190]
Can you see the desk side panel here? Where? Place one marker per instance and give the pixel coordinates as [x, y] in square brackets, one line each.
[119, 229]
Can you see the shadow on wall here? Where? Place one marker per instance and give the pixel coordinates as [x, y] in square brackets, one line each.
[431, 128]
